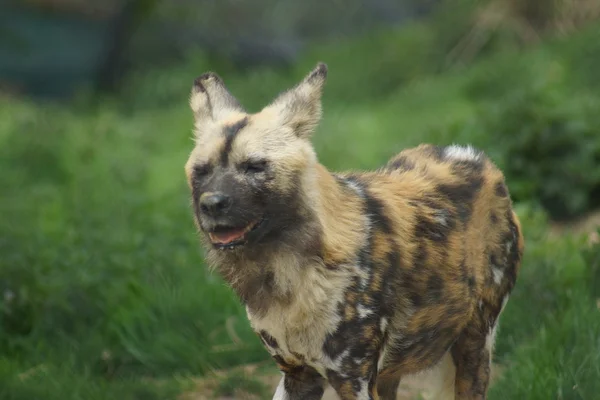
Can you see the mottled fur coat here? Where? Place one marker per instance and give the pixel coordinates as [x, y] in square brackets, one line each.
[353, 279]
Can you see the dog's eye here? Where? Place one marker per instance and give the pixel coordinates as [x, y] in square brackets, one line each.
[201, 171]
[255, 167]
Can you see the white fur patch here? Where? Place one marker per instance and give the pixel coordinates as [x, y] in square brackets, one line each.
[438, 381]
[461, 153]
[498, 274]
[281, 393]
[363, 278]
[490, 339]
[381, 360]
[331, 364]
[313, 315]
[441, 217]
[359, 361]
[363, 311]
[198, 101]
[504, 301]
[364, 390]
[363, 281]
[383, 324]
[356, 188]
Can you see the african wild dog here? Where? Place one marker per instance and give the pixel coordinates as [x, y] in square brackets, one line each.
[352, 279]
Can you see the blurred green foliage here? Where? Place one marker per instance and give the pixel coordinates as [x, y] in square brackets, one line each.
[103, 291]
[543, 134]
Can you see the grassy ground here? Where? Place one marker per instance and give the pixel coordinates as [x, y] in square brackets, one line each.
[103, 291]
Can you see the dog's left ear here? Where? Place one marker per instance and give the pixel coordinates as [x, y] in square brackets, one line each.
[210, 99]
[300, 107]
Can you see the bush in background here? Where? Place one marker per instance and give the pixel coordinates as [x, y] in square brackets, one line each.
[550, 149]
[537, 115]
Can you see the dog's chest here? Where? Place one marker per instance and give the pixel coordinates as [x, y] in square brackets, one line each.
[295, 333]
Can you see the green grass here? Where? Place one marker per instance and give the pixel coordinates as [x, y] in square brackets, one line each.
[240, 382]
[549, 336]
[103, 290]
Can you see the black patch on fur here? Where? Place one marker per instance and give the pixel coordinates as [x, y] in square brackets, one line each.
[337, 342]
[347, 337]
[196, 201]
[433, 230]
[401, 163]
[269, 279]
[298, 355]
[423, 348]
[493, 218]
[208, 75]
[372, 378]
[198, 84]
[320, 72]
[514, 255]
[269, 340]
[462, 196]
[471, 281]
[393, 278]
[469, 355]
[415, 299]
[467, 168]
[303, 383]
[464, 271]
[493, 260]
[388, 388]
[364, 256]
[288, 225]
[437, 152]
[435, 288]
[375, 209]
[231, 132]
[335, 380]
[350, 331]
[198, 175]
[420, 256]
[287, 367]
[340, 180]
[256, 291]
[501, 190]
[303, 390]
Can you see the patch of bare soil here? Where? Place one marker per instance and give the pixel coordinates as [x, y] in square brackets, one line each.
[587, 224]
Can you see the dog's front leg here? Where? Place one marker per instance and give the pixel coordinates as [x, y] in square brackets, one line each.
[300, 383]
[354, 387]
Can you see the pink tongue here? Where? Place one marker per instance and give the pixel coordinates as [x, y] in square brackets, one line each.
[227, 237]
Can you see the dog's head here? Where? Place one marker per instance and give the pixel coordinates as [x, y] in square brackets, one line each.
[247, 171]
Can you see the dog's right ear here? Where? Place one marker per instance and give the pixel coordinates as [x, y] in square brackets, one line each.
[210, 99]
[300, 107]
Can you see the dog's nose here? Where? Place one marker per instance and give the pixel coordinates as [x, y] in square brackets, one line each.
[214, 204]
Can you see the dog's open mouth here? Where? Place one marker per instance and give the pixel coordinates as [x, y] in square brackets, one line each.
[228, 237]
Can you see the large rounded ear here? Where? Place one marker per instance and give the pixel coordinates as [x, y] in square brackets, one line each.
[210, 99]
[300, 106]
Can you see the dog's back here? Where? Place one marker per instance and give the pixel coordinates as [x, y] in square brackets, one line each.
[448, 216]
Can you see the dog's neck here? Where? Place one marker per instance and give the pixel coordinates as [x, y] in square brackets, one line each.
[338, 211]
[327, 235]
